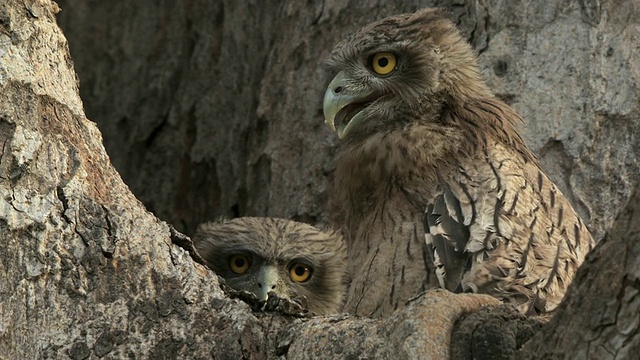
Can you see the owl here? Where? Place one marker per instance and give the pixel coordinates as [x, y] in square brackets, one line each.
[288, 258]
[434, 184]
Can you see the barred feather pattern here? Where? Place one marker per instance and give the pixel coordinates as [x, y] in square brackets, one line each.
[388, 265]
[501, 227]
[434, 185]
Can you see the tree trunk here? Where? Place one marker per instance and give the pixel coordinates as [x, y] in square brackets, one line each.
[600, 318]
[89, 273]
[213, 108]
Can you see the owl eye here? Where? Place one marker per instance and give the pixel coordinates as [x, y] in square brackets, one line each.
[300, 272]
[239, 263]
[383, 63]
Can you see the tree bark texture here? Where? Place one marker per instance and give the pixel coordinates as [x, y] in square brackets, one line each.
[601, 317]
[88, 272]
[213, 108]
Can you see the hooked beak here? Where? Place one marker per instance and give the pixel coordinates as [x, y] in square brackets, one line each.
[343, 107]
[268, 280]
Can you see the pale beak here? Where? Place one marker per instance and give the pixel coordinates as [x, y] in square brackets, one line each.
[340, 94]
[268, 280]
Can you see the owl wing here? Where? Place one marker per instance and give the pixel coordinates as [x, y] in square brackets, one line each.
[448, 234]
[500, 226]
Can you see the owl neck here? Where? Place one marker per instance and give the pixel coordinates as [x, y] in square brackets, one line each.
[460, 75]
[408, 159]
[416, 153]
[485, 120]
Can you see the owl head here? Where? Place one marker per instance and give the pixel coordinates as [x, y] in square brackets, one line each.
[288, 258]
[398, 70]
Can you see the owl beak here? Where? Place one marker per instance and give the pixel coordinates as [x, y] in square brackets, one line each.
[342, 105]
[268, 280]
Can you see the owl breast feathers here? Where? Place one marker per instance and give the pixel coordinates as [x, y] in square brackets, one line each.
[291, 259]
[434, 185]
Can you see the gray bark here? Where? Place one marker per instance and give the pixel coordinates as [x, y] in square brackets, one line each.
[601, 317]
[87, 272]
[213, 108]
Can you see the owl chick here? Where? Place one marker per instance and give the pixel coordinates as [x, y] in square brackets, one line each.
[429, 152]
[288, 258]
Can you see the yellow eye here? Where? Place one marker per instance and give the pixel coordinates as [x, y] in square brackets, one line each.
[239, 263]
[383, 63]
[300, 272]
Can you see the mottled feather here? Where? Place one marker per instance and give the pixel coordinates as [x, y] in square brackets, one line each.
[434, 152]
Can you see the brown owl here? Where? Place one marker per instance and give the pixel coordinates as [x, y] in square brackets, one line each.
[428, 149]
[288, 258]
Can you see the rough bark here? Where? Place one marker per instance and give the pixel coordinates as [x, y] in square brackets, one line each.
[601, 317]
[203, 124]
[87, 272]
[213, 108]
[493, 333]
